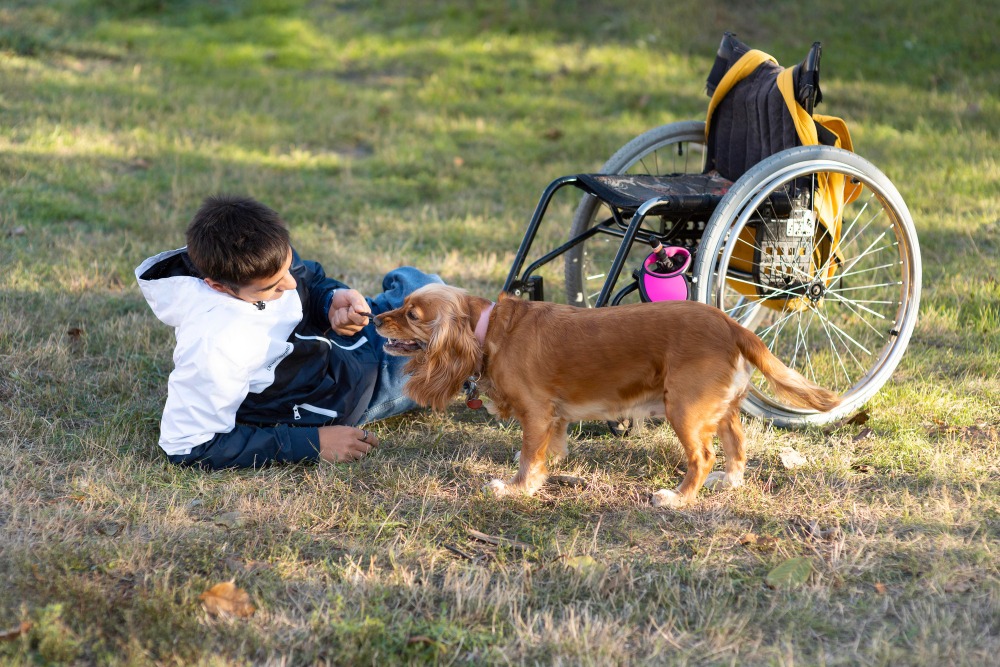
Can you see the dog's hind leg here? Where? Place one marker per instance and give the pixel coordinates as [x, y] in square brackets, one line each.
[695, 435]
[731, 434]
[558, 448]
[540, 434]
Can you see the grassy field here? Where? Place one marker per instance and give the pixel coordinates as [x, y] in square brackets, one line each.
[423, 132]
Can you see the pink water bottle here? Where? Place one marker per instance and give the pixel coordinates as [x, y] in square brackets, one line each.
[662, 276]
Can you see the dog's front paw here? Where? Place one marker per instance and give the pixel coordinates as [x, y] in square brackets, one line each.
[721, 481]
[668, 498]
[496, 488]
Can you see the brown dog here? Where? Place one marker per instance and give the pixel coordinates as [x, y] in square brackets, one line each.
[548, 365]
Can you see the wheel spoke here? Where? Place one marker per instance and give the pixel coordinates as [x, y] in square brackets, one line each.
[847, 348]
[855, 304]
[833, 346]
[851, 339]
[839, 307]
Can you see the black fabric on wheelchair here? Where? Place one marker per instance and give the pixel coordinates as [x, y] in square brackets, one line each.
[751, 123]
[687, 193]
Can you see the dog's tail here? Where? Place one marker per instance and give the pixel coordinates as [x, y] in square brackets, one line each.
[787, 383]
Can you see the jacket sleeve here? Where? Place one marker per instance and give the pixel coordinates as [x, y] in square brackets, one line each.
[316, 290]
[254, 447]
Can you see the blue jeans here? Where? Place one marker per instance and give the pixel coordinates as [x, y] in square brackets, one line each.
[388, 399]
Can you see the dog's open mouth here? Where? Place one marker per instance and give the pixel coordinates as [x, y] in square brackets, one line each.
[403, 347]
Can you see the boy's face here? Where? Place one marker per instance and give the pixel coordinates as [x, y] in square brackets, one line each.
[262, 289]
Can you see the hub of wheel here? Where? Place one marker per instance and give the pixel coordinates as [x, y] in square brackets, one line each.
[815, 291]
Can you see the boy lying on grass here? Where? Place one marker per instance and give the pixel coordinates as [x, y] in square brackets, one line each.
[274, 361]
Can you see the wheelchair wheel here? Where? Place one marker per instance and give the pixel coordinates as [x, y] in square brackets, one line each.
[667, 149]
[838, 306]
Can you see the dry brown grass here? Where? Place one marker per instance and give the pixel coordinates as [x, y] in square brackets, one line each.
[424, 132]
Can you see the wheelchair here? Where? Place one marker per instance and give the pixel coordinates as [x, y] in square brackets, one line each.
[775, 218]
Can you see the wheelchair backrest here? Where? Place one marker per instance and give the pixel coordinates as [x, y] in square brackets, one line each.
[749, 117]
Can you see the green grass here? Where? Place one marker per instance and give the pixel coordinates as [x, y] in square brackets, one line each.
[424, 132]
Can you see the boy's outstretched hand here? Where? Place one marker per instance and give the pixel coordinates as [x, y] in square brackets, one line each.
[339, 444]
[348, 312]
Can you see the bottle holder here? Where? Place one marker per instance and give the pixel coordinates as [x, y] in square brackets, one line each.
[672, 286]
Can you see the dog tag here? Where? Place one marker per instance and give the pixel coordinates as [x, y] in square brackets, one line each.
[474, 403]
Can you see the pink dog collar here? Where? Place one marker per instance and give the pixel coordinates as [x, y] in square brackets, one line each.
[483, 323]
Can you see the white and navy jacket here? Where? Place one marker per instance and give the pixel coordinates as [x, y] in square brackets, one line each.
[252, 386]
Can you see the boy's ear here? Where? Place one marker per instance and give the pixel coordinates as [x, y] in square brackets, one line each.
[218, 287]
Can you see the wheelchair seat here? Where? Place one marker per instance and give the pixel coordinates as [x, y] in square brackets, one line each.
[679, 195]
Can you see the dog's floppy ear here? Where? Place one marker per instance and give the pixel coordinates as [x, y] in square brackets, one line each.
[450, 358]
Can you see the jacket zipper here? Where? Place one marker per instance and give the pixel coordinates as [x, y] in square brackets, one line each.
[311, 408]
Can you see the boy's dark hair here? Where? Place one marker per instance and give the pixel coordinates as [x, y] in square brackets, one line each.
[236, 240]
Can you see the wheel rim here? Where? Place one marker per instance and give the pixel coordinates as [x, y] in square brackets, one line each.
[587, 264]
[847, 333]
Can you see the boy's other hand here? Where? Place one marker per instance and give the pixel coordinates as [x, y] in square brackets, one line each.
[339, 444]
[348, 312]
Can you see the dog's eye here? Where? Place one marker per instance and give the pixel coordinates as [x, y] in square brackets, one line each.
[412, 315]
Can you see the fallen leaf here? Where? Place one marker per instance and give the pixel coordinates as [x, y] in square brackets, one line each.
[859, 418]
[226, 599]
[492, 539]
[881, 588]
[553, 134]
[761, 542]
[791, 459]
[960, 585]
[74, 333]
[458, 161]
[228, 519]
[243, 567]
[419, 639]
[584, 565]
[109, 528]
[824, 534]
[766, 543]
[792, 572]
[11, 634]
[568, 480]
[863, 434]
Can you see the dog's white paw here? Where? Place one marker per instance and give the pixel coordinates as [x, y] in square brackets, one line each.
[721, 481]
[497, 488]
[668, 498]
